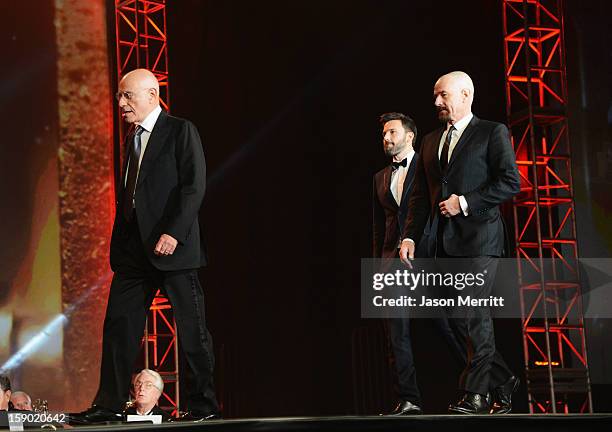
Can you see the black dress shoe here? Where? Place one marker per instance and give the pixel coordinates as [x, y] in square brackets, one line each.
[502, 396]
[198, 416]
[406, 408]
[470, 403]
[95, 414]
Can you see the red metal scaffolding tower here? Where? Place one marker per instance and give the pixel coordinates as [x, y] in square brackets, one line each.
[141, 42]
[544, 216]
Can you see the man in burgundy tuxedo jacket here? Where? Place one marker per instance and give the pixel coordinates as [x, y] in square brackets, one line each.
[392, 189]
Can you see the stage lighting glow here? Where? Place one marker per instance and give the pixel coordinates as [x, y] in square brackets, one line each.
[33, 344]
[49, 330]
[545, 363]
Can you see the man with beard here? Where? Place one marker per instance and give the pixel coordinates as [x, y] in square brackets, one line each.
[466, 170]
[392, 189]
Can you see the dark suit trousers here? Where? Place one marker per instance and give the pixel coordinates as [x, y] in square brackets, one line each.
[131, 294]
[485, 368]
[402, 358]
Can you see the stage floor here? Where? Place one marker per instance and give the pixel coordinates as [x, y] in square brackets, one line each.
[511, 422]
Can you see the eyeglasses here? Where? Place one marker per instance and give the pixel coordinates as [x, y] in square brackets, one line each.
[128, 95]
[147, 385]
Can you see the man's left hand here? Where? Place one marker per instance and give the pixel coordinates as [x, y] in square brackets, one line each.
[450, 207]
[165, 245]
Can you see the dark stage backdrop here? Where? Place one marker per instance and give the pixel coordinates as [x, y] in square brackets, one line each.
[287, 95]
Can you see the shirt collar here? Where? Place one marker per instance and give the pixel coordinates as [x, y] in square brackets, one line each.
[462, 124]
[149, 122]
[408, 156]
[147, 413]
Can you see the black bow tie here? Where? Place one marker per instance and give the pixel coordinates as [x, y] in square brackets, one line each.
[396, 165]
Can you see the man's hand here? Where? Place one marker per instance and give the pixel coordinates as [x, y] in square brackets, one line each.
[407, 252]
[450, 207]
[165, 245]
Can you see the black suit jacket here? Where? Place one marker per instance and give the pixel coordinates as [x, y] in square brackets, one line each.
[483, 169]
[388, 217]
[168, 196]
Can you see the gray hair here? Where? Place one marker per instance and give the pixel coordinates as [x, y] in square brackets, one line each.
[158, 382]
[22, 393]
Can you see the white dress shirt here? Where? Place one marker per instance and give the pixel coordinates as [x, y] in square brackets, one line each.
[398, 176]
[147, 124]
[460, 126]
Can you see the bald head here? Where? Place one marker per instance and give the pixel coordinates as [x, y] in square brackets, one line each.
[453, 96]
[460, 81]
[138, 95]
[141, 77]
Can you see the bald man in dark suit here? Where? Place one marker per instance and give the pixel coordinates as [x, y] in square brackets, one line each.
[466, 170]
[156, 244]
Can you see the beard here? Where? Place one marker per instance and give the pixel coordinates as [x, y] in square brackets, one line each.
[443, 115]
[393, 149]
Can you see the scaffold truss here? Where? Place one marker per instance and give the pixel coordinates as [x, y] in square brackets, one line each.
[544, 216]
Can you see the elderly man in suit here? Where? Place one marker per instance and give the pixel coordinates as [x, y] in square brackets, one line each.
[156, 243]
[21, 401]
[148, 387]
[466, 170]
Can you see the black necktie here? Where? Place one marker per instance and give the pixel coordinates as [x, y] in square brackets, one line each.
[445, 148]
[396, 165]
[130, 184]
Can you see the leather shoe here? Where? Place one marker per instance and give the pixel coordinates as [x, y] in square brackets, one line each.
[502, 396]
[470, 403]
[198, 416]
[95, 414]
[406, 408]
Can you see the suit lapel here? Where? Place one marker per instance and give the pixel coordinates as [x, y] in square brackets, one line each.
[465, 137]
[127, 142]
[387, 183]
[154, 146]
[409, 179]
[434, 152]
[432, 161]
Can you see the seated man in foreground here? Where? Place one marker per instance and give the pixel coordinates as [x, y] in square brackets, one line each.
[21, 401]
[148, 387]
